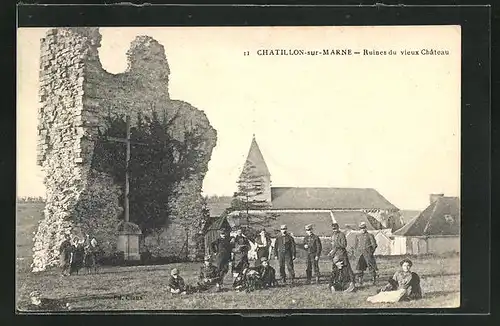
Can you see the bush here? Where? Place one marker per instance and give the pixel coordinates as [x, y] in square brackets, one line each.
[113, 259]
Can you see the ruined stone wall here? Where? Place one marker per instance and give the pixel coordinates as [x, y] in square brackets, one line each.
[76, 94]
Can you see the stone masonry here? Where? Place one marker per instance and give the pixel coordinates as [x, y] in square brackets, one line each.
[76, 94]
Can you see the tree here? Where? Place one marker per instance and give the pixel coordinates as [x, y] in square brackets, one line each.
[247, 198]
[156, 169]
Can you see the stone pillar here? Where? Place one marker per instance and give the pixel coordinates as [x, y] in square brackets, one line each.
[128, 240]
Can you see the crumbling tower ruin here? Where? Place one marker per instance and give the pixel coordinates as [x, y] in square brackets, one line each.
[76, 94]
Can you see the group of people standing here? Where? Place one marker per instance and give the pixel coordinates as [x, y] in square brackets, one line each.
[342, 276]
[76, 253]
[233, 252]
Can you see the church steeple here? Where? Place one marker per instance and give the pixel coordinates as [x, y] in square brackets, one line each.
[256, 159]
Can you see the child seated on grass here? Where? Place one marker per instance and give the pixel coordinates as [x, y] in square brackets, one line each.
[209, 276]
[340, 279]
[38, 303]
[176, 283]
[267, 273]
[247, 280]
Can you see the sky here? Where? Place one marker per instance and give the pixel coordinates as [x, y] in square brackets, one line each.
[389, 122]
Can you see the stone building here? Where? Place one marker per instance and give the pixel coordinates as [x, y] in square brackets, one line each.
[75, 95]
[435, 230]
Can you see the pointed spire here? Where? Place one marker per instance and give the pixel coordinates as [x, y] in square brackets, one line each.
[256, 158]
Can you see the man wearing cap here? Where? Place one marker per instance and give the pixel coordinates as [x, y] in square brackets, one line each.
[176, 283]
[312, 245]
[267, 273]
[284, 252]
[339, 249]
[364, 249]
[222, 250]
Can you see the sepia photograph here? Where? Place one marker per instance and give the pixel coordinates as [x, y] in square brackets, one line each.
[216, 168]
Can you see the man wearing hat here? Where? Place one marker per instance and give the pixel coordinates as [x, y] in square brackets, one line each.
[364, 249]
[267, 273]
[176, 282]
[222, 251]
[339, 249]
[284, 252]
[312, 245]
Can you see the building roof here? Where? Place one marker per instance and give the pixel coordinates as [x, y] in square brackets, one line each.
[407, 215]
[328, 198]
[256, 159]
[218, 205]
[352, 219]
[219, 223]
[442, 217]
[320, 219]
[296, 222]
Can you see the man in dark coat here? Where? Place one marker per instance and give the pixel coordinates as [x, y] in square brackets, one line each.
[312, 245]
[263, 242]
[364, 249]
[241, 246]
[339, 249]
[222, 250]
[267, 273]
[284, 252]
[65, 255]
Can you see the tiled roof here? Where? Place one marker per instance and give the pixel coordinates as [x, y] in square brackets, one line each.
[219, 223]
[296, 222]
[352, 219]
[321, 221]
[442, 217]
[328, 198]
[408, 215]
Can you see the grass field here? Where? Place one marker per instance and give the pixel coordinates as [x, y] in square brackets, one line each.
[144, 287]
